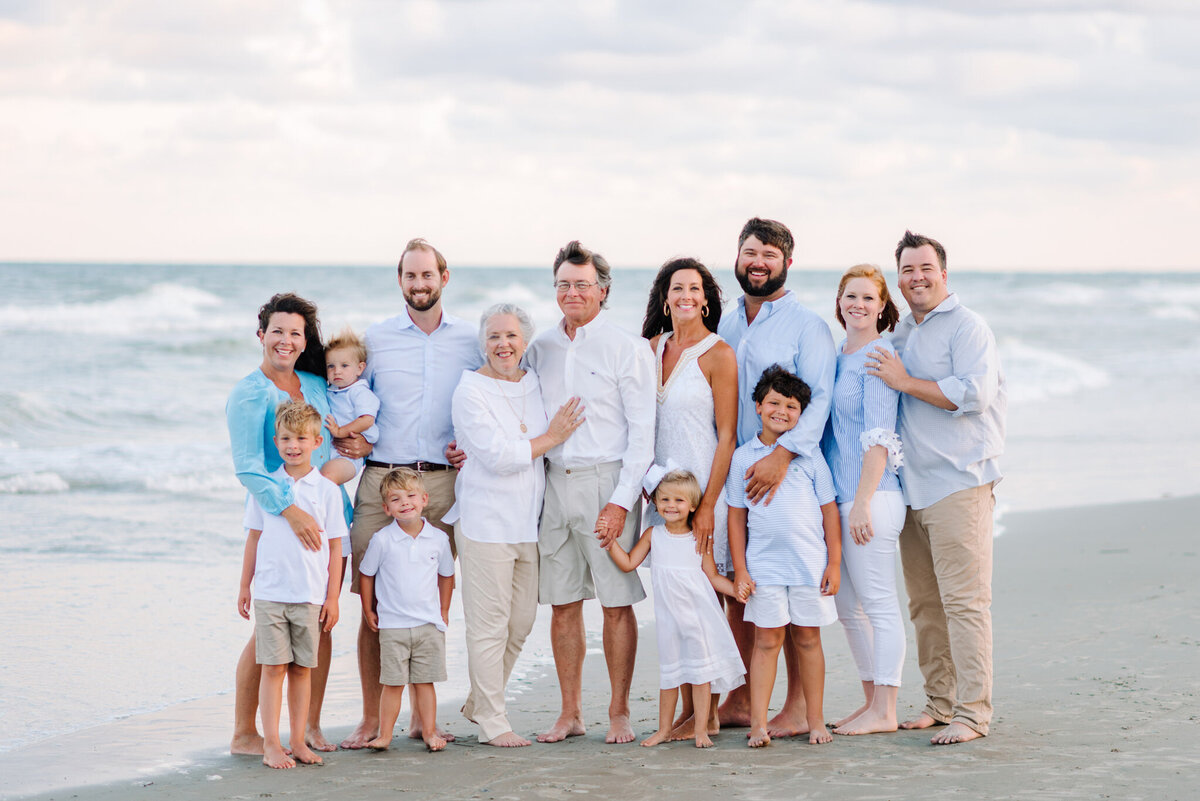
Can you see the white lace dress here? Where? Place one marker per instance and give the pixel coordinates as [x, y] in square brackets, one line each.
[685, 433]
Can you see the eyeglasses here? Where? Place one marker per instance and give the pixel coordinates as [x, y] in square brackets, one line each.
[578, 286]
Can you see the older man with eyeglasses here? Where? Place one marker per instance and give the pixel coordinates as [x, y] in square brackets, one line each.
[593, 483]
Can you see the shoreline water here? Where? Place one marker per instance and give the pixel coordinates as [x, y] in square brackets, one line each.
[1095, 617]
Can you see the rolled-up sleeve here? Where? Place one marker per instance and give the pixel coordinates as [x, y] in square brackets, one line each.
[816, 365]
[976, 370]
[480, 435]
[246, 413]
[640, 404]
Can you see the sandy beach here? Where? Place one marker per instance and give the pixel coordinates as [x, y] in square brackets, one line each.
[1097, 634]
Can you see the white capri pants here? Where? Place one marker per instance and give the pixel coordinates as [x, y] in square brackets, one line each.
[866, 601]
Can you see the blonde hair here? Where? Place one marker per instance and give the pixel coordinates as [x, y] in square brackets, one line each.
[403, 479]
[890, 314]
[687, 481]
[346, 339]
[298, 417]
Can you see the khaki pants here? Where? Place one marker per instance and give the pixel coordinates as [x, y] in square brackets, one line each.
[369, 516]
[946, 550]
[499, 594]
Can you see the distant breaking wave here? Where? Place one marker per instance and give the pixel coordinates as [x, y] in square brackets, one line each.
[160, 308]
[33, 484]
[1036, 374]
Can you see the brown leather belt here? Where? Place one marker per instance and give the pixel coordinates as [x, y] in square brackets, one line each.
[420, 467]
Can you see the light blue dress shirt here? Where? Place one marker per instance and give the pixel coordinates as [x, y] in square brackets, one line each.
[250, 415]
[945, 452]
[861, 403]
[414, 375]
[784, 332]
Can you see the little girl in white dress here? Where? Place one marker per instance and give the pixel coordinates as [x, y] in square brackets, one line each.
[695, 645]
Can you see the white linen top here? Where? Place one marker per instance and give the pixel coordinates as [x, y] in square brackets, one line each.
[499, 488]
[406, 570]
[612, 371]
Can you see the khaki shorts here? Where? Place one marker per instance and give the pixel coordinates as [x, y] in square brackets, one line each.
[573, 566]
[286, 633]
[776, 605]
[412, 656]
[369, 516]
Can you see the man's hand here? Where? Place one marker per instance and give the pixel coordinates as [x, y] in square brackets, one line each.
[610, 524]
[454, 457]
[887, 367]
[765, 475]
[352, 447]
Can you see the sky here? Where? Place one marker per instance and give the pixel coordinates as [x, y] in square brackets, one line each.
[1028, 135]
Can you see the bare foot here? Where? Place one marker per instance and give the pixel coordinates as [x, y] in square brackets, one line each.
[564, 727]
[819, 735]
[619, 730]
[758, 738]
[660, 736]
[414, 733]
[508, 740]
[786, 724]
[435, 742]
[684, 730]
[380, 743]
[735, 711]
[315, 739]
[274, 757]
[703, 741]
[363, 734]
[867, 723]
[247, 744]
[852, 715]
[921, 721]
[955, 733]
[303, 754]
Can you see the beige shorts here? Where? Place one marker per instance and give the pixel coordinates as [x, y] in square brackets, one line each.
[286, 633]
[369, 516]
[412, 656]
[573, 566]
[776, 605]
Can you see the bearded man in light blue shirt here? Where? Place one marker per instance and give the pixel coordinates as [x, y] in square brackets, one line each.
[952, 414]
[769, 326]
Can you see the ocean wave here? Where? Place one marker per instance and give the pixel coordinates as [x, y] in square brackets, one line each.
[1174, 292]
[1065, 293]
[162, 307]
[1174, 312]
[1036, 373]
[33, 484]
[214, 483]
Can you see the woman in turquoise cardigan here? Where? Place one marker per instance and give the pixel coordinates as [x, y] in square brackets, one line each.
[293, 361]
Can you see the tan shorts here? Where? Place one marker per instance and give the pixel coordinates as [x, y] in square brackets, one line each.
[369, 516]
[573, 566]
[286, 633]
[412, 656]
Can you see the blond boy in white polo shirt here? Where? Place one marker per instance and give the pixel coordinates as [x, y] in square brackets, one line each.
[409, 568]
[295, 589]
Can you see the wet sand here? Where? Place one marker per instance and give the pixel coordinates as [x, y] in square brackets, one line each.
[1097, 639]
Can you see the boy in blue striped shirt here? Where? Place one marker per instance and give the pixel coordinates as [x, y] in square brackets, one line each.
[787, 569]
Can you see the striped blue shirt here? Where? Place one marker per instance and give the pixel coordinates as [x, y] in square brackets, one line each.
[785, 333]
[785, 543]
[945, 452]
[861, 403]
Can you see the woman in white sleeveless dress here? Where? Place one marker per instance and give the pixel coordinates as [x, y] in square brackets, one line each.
[696, 426]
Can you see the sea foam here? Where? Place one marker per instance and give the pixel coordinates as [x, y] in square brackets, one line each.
[1037, 373]
[161, 307]
[33, 483]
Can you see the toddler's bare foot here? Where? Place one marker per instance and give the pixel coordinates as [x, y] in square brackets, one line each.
[275, 757]
[302, 753]
[566, 726]
[787, 724]
[819, 735]
[921, 721]
[683, 730]
[315, 739]
[758, 737]
[365, 732]
[380, 743]
[508, 740]
[435, 742]
[867, 723]
[955, 733]
[735, 711]
[247, 744]
[414, 733]
[703, 741]
[619, 730]
[660, 736]
[852, 716]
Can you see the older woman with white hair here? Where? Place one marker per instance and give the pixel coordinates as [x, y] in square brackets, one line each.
[500, 423]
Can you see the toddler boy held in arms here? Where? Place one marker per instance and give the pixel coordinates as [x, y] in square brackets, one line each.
[409, 570]
[295, 590]
[788, 567]
[353, 406]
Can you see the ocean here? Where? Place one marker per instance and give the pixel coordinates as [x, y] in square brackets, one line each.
[120, 515]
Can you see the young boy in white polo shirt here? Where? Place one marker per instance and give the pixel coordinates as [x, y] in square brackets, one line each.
[789, 570]
[409, 567]
[295, 589]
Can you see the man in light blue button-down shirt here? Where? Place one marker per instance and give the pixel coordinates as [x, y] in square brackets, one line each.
[769, 326]
[952, 411]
